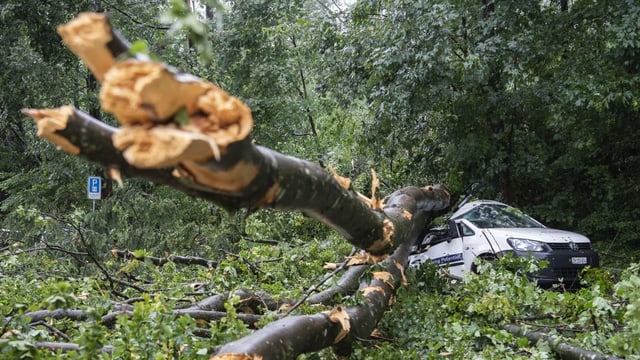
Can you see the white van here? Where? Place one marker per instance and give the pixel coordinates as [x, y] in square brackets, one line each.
[488, 229]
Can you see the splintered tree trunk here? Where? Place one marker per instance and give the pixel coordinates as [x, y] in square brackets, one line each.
[180, 131]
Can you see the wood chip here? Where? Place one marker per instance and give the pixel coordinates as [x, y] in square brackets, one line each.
[365, 258]
[385, 242]
[344, 182]
[370, 289]
[385, 277]
[339, 315]
[115, 175]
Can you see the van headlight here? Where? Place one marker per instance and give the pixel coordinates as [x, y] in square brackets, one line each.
[527, 245]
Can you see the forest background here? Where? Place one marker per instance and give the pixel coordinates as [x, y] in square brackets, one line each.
[535, 102]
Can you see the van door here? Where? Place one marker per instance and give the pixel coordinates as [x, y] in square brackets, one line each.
[447, 253]
[477, 242]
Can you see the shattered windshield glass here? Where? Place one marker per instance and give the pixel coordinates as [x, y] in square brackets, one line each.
[489, 216]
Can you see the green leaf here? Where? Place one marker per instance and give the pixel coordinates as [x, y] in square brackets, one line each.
[139, 47]
[181, 117]
[140, 253]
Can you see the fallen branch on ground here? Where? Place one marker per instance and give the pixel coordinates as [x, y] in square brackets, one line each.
[160, 261]
[563, 349]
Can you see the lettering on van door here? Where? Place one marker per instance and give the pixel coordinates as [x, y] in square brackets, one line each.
[451, 259]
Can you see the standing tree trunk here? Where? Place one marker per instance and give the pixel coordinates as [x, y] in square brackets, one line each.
[180, 131]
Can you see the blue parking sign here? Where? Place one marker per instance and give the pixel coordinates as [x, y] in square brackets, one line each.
[94, 188]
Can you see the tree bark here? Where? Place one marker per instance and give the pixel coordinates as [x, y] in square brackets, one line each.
[195, 138]
[291, 336]
[180, 131]
[348, 284]
[278, 181]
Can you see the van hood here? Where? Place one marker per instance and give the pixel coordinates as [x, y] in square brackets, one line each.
[545, 235]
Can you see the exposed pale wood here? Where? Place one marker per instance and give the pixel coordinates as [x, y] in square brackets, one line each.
[88, 36]
[49, 121]
[135, 92]
[160, 147]
[157, 135]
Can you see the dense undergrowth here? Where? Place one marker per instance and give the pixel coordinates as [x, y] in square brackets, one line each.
[437, 317]
[433, 317]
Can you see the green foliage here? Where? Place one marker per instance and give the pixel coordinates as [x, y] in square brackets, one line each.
[516, 95]
[153, 330]
[627, 341]
[139, 47]
[537, 102]
[182, 18]
[458, 320]
[229, 328]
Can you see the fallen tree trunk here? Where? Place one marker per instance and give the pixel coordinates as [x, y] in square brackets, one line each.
[301, 185]
[180, 131]
[289, 337]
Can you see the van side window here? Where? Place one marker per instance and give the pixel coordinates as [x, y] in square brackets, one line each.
[465, 230]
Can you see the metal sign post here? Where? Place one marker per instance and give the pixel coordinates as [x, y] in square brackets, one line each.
[94, 189]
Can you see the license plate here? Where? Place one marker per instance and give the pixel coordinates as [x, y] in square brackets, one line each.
[581, 260]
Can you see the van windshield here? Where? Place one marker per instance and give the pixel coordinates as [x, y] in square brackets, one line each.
[491, 216]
